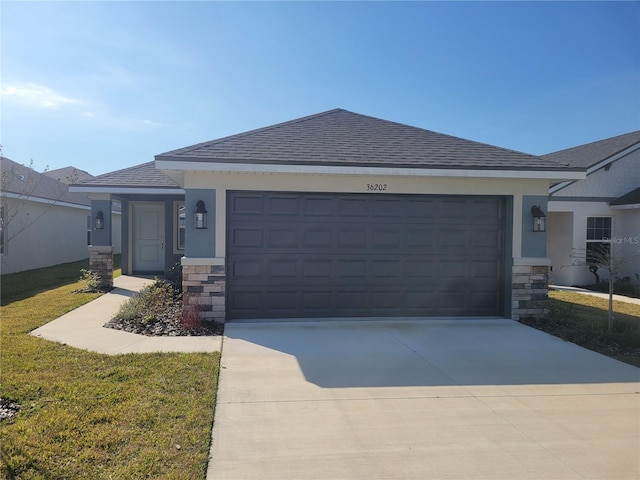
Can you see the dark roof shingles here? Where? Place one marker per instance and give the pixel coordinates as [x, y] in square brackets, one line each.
[342, 138]
[631, 198]
[589, 154]
[144, 176]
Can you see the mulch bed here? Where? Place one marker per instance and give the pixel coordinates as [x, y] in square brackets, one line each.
[169, 324]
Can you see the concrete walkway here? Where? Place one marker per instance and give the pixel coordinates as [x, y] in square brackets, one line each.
[83, 327]
[584, 291]
[420, 399]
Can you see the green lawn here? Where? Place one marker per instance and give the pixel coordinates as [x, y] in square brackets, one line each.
[90, 416]
[583, 319]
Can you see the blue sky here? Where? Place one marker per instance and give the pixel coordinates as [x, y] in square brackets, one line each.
[107, 85]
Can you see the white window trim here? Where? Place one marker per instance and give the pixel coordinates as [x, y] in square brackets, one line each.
[176, 230]
[598, 241]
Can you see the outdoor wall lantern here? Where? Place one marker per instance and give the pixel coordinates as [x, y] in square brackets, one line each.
[200, 216]
[539, 219]
[99, 221]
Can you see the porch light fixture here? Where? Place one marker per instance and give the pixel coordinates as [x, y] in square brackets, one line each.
[539, 219]
[200, 216]
[99, 221]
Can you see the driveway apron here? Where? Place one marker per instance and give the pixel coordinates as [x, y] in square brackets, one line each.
[420, 399]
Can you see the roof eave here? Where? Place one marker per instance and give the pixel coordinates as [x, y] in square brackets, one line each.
[168, 164]
[122, 190]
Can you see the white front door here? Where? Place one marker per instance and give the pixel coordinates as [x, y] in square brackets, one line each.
[148, 237]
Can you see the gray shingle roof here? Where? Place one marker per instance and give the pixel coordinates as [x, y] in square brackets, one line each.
[144, 176]
[631, 198]
[26, 182]
[342, 138]
[589, 154]
[68, 175]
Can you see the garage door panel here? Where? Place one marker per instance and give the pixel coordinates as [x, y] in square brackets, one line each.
[322, 268]
[352, 299]
[283, 205]
[420, 239]
[414, 300]
[352, 239]
[384, 208]
[247, 237]
[283, 238]
[317, 238]
[247, 268]
[388, 299]
[352, 207]
[351, 269]
[324, 255]
[318, 207]
[246, 204]
[487, 239]
[420, 269]
[389, 270]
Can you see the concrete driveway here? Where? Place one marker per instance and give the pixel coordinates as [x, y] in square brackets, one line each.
[420, 399]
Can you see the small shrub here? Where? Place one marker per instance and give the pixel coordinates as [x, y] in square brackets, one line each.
[191, 318]
[175, 277]
[149, 303]
[91, 281]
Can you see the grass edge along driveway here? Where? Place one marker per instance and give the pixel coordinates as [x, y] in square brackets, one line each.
[87, 415]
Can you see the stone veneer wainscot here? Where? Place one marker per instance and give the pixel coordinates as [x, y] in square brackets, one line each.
[101, 262]
[203, 284]
[530, 286]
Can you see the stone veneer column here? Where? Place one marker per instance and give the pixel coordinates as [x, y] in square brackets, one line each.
[529, 291]
[101, 262]
[204, 285]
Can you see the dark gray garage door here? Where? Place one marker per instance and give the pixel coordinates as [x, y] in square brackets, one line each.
[301, 255]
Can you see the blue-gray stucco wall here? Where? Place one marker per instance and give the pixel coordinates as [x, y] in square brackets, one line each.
[200, 243]
[534, 244]
[101, 237]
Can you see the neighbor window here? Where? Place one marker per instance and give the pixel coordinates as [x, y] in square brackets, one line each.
[598, 239]
[180, 223]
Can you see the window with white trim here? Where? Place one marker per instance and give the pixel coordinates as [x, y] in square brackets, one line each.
[179, 225]
[89, 229]
[598, 239]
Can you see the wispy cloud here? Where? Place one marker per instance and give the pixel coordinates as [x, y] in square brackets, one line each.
[37, 95]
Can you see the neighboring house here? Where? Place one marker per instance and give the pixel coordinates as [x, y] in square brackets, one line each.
[68, 175]
[338, 215]
[43, 224]
[605, 206]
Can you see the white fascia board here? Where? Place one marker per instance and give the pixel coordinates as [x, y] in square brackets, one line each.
[46, 201]
[625, 207]
[613, 158]
[128, 190]
[369, 171]
[598, 166]
[559, 186]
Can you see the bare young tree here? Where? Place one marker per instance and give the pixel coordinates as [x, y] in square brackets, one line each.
[607, 256]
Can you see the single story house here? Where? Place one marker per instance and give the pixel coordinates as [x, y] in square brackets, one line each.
[339, 215]
[41, 222]
[603, 208]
